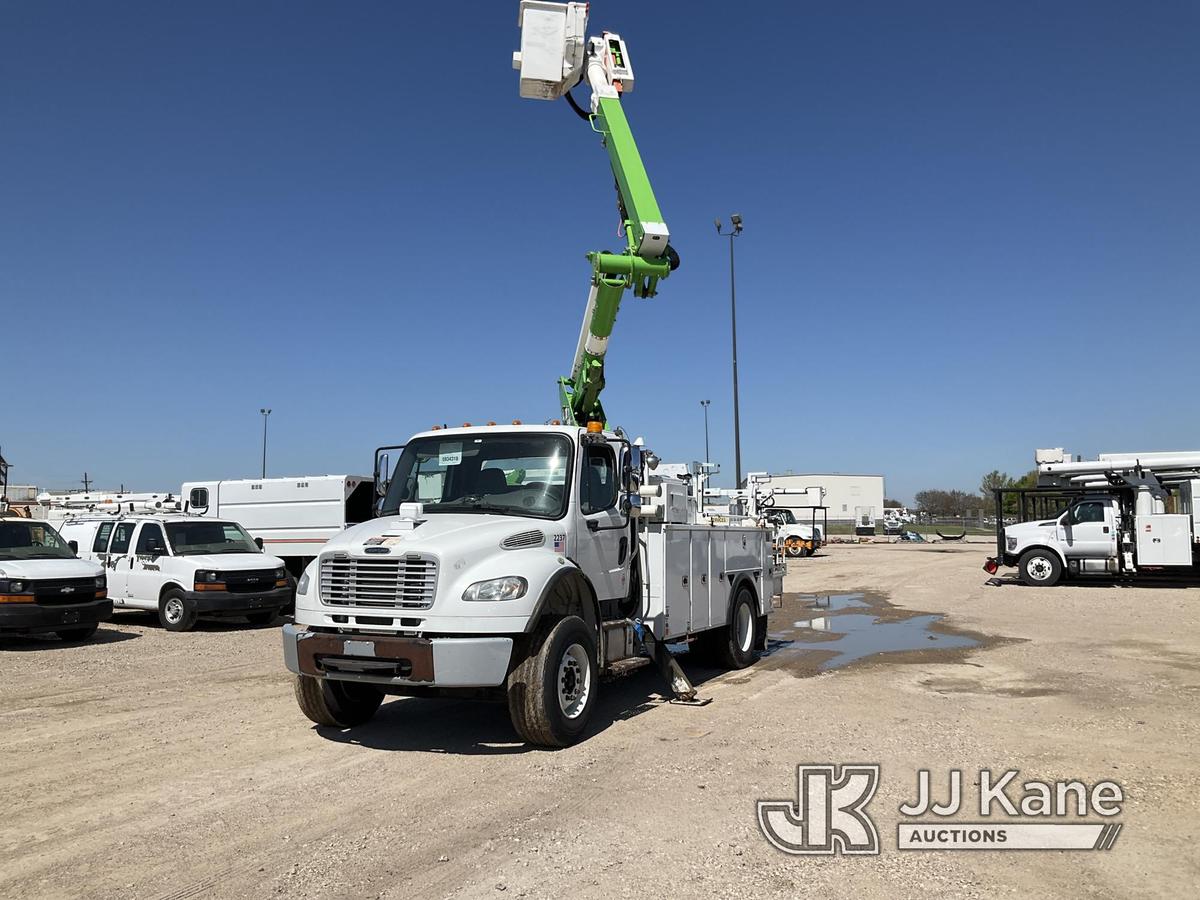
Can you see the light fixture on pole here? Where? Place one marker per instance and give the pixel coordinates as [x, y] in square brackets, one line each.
[265, 412]
[735, 229]
[705, 403]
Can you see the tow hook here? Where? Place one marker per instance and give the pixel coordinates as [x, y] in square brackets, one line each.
[991, 566]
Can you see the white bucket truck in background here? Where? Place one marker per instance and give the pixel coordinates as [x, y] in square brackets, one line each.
[294, 517]
[522, 563]
[1106, 516]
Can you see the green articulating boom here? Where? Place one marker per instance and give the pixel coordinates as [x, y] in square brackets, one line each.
[645, 260]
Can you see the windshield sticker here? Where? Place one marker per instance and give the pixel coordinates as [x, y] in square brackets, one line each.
[450, 455]
[560, 543]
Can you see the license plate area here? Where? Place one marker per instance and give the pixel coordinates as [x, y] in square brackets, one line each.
[407, 658]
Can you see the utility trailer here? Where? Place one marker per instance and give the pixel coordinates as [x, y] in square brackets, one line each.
[294, 517]
[1125, 514]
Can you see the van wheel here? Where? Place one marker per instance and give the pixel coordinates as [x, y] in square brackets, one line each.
[174, 611]
[1040, 568]
[736, 642]
[77, 634]
[262, 618]
[793, 546]
[337, 704]
[552, 691]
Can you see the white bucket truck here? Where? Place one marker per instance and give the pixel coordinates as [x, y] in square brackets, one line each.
[523, 562]
[1104, 516]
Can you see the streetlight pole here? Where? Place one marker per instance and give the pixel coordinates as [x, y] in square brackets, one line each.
[735, 229]
[265, 412]
[705, 403]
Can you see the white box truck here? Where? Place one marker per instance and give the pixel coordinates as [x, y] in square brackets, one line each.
[294, 517]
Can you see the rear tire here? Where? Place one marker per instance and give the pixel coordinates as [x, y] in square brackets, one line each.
[336, 704]
[736, 643]
[552, 691]
[175, 613]
[1040, 568]
[77, 634]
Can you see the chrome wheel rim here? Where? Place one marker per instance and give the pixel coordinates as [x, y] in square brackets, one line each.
[173, 611]
[574, 681]
[1040, 568]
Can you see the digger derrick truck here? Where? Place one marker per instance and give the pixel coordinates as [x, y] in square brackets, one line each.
[523, 563]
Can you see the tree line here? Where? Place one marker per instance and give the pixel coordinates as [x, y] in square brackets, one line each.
[939, 502]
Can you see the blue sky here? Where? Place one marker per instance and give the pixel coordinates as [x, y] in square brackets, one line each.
[971, 230]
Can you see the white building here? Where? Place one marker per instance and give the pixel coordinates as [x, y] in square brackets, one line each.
[847, 497]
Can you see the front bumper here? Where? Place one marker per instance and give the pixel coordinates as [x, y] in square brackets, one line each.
[32, 618]
[383, 659]
[224, 603]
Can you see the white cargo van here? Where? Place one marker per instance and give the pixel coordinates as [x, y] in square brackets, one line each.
[294, 517]
[183, 567]
[44, 587]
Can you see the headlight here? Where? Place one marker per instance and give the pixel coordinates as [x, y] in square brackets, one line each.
[302, 584]
[509, 588]
[280, 573]
[101, 582]
[13, 586]
[206, 575]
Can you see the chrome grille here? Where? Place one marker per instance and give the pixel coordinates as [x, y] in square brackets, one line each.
[523, 539]
[405, 583]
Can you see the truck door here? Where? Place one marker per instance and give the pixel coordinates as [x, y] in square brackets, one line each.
[602, 548]
[145, 572]
[118, 560]
[1089, 530]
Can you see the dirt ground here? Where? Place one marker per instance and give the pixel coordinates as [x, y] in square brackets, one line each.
[159, 765]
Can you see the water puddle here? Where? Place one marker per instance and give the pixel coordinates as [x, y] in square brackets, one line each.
[814, 633]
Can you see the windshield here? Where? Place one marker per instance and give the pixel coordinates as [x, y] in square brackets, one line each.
[505, 474]
[200, 537]
[31, 540]
[783, 516]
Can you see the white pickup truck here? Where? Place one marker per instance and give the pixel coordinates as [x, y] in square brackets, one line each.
[521, 563]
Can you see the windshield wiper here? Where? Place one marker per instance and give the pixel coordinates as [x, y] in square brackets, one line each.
[477, 506]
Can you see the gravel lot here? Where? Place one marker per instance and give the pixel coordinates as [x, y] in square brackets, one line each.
[150, 764]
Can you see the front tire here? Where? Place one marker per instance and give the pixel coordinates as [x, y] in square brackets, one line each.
[1040, 568]
[336, 704]
[77, 634]
[175, 613]
[793, 547]
[552, 691]
[737, 643]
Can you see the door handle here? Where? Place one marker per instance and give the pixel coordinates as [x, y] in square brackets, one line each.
[1106, 529]
[623, 550]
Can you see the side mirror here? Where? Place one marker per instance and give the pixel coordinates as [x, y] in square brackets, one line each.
[382, 468]
[258, 542]
[74, 545]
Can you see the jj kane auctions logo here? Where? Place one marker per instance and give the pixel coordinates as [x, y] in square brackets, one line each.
[829, 815]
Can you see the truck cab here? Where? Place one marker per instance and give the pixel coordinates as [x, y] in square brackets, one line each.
[797, 538]
[517, 562]
[183, 567]
[1082, 538]
[44, 586]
